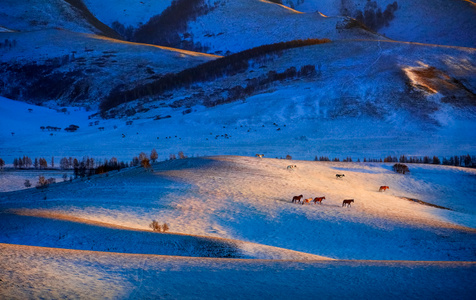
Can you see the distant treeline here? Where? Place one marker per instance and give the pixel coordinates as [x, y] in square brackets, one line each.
[166, 29]
[373, 17]
[256, 84]
[468, 161]
[228, 65]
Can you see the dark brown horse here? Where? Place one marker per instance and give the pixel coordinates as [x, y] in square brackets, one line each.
[339, 176]
[347, 202]
[319, 199]
[297, 198]
[383, 188]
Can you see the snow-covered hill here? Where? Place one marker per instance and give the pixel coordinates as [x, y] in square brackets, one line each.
[127, 12]
[375, 78]
[83, 69]
[364, 97]
[249, 199]
[427, 21]
[36, 15]
[58, 273]
[231, 26]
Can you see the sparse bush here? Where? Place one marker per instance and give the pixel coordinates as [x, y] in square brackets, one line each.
[42, 182]
[27, 183]
[156, 226]
[154, 155]
[2, 164]
[135, 161]
[159, 228]
[401, 168]
[181, 155]
[145, 163]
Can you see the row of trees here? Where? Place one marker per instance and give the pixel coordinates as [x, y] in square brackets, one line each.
[467, 161]
[212, 70]
[256, 84]
[26, 162]
[8, 43]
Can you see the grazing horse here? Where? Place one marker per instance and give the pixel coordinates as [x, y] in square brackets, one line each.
[297, 199]
[347, 202]
[259, 155]
[383, 188]
[308, 200]
[339, 176]
[318, 199]
[290, 167]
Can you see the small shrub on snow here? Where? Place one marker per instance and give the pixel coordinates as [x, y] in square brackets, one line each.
[42, 182]
[401, 168]
[155, 226]
[159, 228]
[181, 155]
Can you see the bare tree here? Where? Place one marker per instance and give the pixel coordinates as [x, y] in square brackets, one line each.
[154, 155]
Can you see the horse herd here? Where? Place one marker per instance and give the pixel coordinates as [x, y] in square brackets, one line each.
[345, 202]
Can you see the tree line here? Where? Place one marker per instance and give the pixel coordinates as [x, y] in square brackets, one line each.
[468, 161]
[211, 70]
[168, 28]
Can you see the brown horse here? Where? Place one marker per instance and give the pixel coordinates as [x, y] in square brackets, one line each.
[383, 188]
[308, 200]
[347, 202]
[318, 199]
[297, 198]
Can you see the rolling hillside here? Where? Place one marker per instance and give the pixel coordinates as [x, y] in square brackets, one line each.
[427, 21]
[83, 70]
[36, 15]
[222, 27]
[94, 225]
[127, 12]
[254, 98]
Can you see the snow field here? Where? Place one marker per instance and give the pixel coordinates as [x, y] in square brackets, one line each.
[249, 199]
[87, 274]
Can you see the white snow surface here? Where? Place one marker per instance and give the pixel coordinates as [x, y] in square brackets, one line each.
[54, 273]
[239, 25]
[427, 21]
[247, 201]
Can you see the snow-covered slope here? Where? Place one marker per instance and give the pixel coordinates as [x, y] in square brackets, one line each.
[249, 199]
[83, 69]
[127, 12]
[364, 97]
[233, 26]
[428, 21]
[58, 273]
[35, 15]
